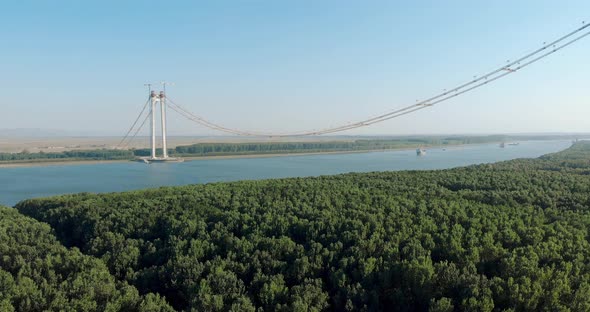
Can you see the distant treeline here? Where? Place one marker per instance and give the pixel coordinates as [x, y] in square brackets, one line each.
[212, 149]
[102, 154]
[217, 149]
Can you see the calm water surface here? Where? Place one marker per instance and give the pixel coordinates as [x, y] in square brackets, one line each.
[21, 183]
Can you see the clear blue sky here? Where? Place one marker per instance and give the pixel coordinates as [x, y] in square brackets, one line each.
[289, 65]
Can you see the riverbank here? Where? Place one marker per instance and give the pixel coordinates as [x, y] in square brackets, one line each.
[224, 150]
[33, 182]
[190, 158]
[235, 156]
[69, 162]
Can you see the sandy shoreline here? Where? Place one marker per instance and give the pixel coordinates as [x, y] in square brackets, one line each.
[196, 158]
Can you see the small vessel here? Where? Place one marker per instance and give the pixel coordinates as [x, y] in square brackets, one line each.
[420, 152]
[513, 144]
[502, 145]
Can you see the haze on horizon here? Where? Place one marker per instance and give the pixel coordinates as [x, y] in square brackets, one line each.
[80, 67]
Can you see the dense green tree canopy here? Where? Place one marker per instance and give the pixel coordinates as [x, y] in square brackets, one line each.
[37, 273]
[511, 236]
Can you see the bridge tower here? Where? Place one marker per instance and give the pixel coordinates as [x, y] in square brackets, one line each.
[163, 116]
[155, 98]
[158, 99]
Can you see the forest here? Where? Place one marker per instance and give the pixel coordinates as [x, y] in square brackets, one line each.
[509, 236]
[37, 273]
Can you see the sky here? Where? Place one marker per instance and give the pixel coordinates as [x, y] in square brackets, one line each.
[280, 66]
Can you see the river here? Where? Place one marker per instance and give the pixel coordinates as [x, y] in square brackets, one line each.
[28, 182]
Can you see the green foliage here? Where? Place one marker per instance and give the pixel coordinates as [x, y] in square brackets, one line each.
[37, 273]
[204, 149]
[102, 154]
[511, 236]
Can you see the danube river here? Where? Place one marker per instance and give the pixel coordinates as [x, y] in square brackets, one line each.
[28, 182]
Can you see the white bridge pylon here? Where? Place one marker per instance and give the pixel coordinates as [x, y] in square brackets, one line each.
[158, 98]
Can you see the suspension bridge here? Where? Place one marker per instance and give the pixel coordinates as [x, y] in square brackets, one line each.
[164, 102]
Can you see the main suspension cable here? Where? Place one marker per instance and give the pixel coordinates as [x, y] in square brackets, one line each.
[475, 83]
[135, 122]
[137, 130]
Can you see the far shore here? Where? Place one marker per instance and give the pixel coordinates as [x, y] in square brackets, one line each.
[66, 162]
